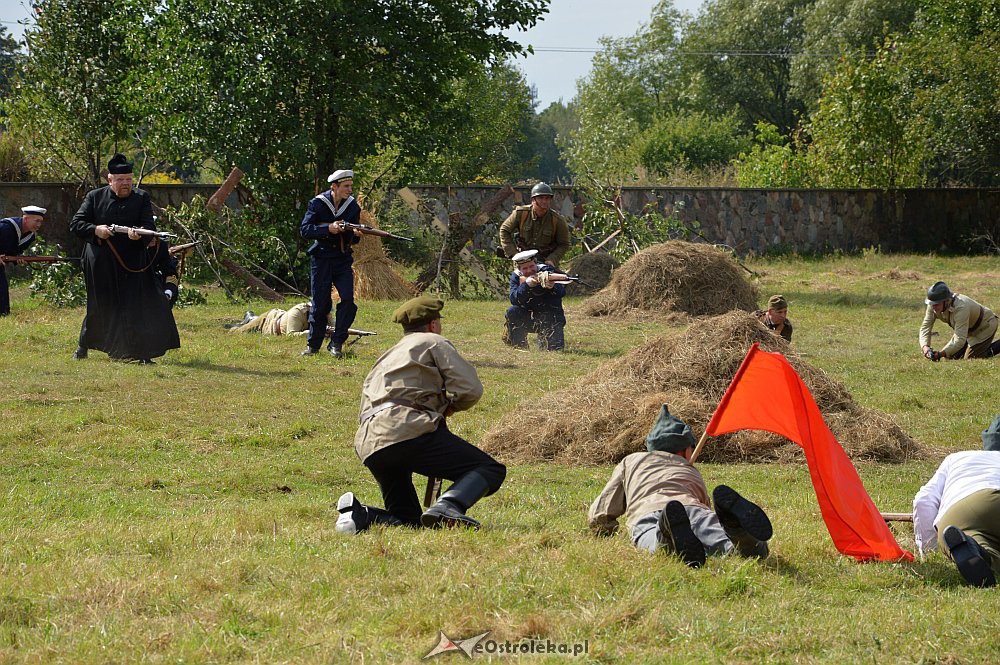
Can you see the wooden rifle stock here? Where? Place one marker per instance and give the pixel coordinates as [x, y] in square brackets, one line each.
[37, 259]
[162, 235]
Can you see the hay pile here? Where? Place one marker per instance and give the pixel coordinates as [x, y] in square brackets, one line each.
[594, 269]
[608, 413]
[676, 276]
[375, 274]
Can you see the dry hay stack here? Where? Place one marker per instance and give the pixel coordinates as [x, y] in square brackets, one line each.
[595, 268]
[375, 274]
[676, 276]
[608, 413]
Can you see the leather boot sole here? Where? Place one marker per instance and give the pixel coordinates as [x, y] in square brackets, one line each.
[437, 520]
[973, 567]
[686, 544]
[734, 511]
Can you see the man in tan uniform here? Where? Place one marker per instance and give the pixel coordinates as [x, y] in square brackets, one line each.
[536, 226]
[775, 317]
[294, 321]
[666, 504]
[974, 325]
[406, 397]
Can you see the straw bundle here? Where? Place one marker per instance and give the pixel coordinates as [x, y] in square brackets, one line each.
[376, 276]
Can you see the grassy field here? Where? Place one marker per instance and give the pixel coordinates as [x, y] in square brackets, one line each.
[185, 512]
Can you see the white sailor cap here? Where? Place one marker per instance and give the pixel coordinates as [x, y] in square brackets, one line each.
[525, 256]
[342, 174]
[33, 210]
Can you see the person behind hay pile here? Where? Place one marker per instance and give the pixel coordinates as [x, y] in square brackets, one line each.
[16, 235]
[536, 226]
[535, 305]
[666, 502]
[974, 325]
[294, 321]
[960, 508]
[405, 400]
[775, 317]
[331, 260]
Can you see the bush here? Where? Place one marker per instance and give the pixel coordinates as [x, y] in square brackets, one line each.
[693, 140]
[59, 284]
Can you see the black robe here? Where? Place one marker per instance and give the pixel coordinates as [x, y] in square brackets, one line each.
[128, 316]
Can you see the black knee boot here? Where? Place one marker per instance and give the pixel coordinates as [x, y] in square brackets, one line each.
[450, 508]
[356, 517]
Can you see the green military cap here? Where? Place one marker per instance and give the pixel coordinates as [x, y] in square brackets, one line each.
[777, 302]
[418, 311]
[670, 434]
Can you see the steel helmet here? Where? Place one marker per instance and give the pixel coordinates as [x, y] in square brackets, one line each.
[541, 189]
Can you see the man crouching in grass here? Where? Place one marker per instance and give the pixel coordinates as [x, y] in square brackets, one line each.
[405, 400]
[666, 502]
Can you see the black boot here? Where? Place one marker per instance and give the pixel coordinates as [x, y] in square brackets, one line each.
[355, 517]
[336, 349]
[80, 353]
[972, 562]
[746, 523]
[673, 531]
[450, 508]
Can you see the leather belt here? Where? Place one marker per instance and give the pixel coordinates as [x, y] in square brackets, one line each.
[975, 326]
[370, 413]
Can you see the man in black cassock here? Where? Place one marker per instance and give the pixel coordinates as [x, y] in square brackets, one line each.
[128, 316]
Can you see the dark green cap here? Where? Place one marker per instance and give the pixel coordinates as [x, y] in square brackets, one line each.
[670, 434]
[418, 311]
[991, 436]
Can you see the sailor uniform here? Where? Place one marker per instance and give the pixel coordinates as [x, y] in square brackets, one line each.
[13, 242]
[331, 261]
[535, 309]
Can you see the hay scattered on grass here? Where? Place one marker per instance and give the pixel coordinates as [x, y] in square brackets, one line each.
[675, 276]
[896, 275]
[376, 276]
[593, 268]
[608, 413]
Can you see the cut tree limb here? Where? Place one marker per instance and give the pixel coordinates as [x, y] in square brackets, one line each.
[262, 289]
[218, 199]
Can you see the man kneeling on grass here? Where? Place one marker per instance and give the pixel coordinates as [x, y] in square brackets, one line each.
[666, 502]
[960, 507]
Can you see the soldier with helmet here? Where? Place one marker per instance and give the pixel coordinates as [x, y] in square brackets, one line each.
[536, 226]
[973, 325]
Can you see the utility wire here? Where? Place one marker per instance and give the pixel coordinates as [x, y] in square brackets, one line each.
[719, 54]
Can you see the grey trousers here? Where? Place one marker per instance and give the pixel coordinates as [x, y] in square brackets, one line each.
[704, 523]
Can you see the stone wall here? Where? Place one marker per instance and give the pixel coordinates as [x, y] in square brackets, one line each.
[754, 221]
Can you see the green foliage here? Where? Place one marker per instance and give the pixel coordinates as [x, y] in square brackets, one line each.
[13, 162]
[773, 161]
[58, 284]
[553, 128]
[188, 296]
[10, 55]
[691, 140]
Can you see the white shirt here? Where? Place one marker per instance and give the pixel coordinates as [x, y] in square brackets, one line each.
[959, 475]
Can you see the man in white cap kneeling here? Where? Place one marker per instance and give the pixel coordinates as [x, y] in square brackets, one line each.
[535, 304]
[16, 235]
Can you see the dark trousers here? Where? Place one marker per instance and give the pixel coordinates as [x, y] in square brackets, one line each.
[548, 324]
[325, 273]
[4, 293]
[437, 454]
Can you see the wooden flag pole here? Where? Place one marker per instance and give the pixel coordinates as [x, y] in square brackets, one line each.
[701, 444]
[897, 517]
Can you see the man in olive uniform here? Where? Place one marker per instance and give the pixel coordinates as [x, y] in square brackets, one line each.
[666, 504]
[331, 260]
[974, 325]
[959, 508]
[16, 235]
[535, 305]
[128, 316]
[536, 226]
[775, 317]
[405, 400]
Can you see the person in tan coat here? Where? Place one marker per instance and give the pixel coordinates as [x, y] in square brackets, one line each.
[402, 430]
[666, 505]
[294, 321]
[973, 325]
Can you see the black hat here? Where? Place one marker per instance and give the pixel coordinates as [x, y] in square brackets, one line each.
[119, 164]
[670, 434]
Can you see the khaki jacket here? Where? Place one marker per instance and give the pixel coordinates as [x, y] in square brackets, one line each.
[548, 234]
[296, 320]
[643, 483]
[425, 369]
[961, 315]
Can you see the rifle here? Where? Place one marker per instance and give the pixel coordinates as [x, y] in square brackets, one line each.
[358, 334]
[37, 259]
[177, 249]
[371, 230]
[162, 235]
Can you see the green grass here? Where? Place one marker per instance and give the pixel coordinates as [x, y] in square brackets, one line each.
[185, 512]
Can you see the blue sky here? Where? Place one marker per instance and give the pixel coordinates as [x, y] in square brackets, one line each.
[577, 24]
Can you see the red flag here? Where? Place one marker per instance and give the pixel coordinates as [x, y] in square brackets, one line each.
[767, 394]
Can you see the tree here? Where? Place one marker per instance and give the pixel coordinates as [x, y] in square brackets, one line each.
[68, 100]
[10, 53]
[553, 127]
[691, 140]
